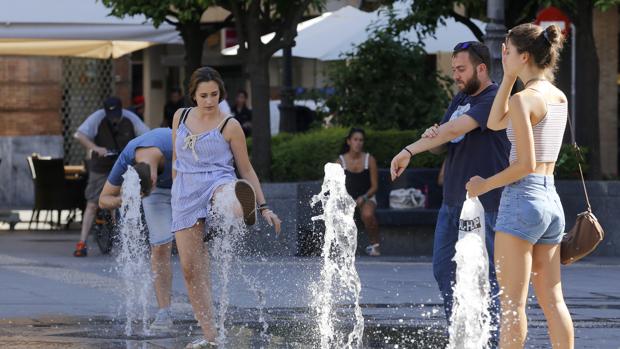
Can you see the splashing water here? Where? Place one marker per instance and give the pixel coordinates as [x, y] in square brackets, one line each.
[230, 230]
[339, 282]
[132, 259]
[470, 323]
[254, 287]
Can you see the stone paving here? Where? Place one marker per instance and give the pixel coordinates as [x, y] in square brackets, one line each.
[49, 299]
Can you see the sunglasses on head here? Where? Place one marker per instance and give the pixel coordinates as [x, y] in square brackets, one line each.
[469, 46]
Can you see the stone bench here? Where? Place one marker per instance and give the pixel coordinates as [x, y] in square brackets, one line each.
[424, 179]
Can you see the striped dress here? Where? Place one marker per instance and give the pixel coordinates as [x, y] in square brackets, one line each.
[203, 163]
[548, 134]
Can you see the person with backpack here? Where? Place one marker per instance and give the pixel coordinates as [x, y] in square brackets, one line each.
[104, 134]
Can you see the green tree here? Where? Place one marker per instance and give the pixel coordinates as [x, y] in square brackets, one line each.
[252, 19]
[387, 83]
[184, 15]
[425, 16]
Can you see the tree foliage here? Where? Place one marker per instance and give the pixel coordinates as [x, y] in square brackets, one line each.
[387, 83]
[426, 14]
[174, 12]
[184, 15]
[252, 19]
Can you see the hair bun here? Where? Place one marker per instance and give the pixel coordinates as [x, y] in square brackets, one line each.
[553, 34]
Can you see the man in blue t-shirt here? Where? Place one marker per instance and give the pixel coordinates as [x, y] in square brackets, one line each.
[472, 150]
[151, 156]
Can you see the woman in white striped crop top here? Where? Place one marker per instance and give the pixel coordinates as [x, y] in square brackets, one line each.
[530, 222]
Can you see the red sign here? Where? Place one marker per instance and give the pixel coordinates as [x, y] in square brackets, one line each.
[553, 15]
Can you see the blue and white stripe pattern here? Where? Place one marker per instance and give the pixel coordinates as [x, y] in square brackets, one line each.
[204, 162]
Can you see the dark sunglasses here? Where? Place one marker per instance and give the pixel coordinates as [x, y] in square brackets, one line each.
[469, 46]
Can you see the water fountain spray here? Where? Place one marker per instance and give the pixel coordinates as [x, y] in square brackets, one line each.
[132, 259]
[339, 283]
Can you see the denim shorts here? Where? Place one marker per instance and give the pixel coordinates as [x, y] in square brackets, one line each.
[530, 209]
[158, 215]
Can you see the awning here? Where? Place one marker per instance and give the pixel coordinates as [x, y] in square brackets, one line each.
[74, 48]
[79, 28]
[330, 35]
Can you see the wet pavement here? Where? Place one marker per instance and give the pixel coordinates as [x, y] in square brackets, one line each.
[49, 299]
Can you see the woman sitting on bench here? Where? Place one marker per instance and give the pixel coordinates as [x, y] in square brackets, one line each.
[362, 182]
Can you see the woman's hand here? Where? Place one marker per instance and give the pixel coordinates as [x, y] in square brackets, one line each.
[511, 69]
[476, 186]
[272, 219]
[431, 132]
[399, 164]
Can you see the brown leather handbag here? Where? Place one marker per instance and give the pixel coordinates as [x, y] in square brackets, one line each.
[587, 233]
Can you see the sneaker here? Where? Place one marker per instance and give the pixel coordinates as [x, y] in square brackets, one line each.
[201, 343]
[373, 250]
[163, 320]
[81, 250]
[247, 199]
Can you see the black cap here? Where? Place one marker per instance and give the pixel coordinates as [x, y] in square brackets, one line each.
[113, 107]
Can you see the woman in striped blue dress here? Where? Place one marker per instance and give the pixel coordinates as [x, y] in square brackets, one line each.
[207, 145]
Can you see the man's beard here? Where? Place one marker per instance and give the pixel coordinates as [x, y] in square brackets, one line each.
[472, 86]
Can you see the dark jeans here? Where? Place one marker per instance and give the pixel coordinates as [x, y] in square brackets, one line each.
[444, 269]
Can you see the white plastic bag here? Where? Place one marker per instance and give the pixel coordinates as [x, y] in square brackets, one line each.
[470, 323]
[472, 219]
[407, 198]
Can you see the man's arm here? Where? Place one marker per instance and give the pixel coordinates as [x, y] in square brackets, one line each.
[432, 132]
[89, 145]
[439, 150]
[110, 197]
[87, 132]
[445, 133]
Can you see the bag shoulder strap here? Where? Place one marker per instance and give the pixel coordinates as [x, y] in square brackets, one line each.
[579, 161]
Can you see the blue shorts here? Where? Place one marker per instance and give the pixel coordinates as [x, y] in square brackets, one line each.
[158, 216]
[530, 209]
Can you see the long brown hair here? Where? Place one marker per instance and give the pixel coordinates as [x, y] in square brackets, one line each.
[543, 45]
